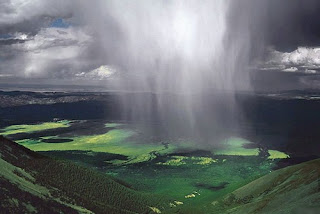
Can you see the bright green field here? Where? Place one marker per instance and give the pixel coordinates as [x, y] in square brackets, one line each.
[16, 129]
[236, 146]
[115, 141]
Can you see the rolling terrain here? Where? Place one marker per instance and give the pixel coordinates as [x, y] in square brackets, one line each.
[32, 183]
[74, 153]
[294, 189]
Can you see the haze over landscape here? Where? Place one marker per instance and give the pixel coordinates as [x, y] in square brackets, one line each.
[209, 107]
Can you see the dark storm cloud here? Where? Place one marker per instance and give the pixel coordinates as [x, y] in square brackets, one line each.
[293, 23]
[101, 34]
[285, 24]
[30, 27]
[284, 39]
[10, 41]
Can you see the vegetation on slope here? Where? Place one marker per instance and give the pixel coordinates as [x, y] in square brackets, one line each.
[71, 186]
[293, 189]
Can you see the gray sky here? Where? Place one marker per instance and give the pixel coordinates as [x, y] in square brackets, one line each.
[162, 45]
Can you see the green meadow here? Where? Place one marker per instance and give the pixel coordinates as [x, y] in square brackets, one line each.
[115, 141]
[157, 167]
[16, 129]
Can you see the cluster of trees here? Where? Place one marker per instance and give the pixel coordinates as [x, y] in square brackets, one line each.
[90, 188]
[96, 159]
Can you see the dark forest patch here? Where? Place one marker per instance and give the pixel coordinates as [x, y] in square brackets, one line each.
[211, 187]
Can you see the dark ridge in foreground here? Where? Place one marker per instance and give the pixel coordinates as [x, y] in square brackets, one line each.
[33, 183]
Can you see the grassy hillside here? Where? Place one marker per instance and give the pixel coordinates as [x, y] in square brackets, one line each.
[189, 182]
[294, 189]
[32, 183]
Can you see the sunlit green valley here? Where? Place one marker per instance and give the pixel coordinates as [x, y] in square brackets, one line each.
[189, 177]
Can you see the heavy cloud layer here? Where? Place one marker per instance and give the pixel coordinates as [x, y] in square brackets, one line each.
[151, 36]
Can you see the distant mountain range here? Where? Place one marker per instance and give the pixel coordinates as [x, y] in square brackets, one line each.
[21, 98]
[17, 98]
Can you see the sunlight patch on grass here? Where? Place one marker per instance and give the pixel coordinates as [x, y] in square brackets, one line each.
[235, 146]
[204, 160]
[175, 161]
[155, 210]
[115, 141]
[182, 160]
[274, 154]
[19, 176]
[16, 129]
[96, 143]
[113, 125]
